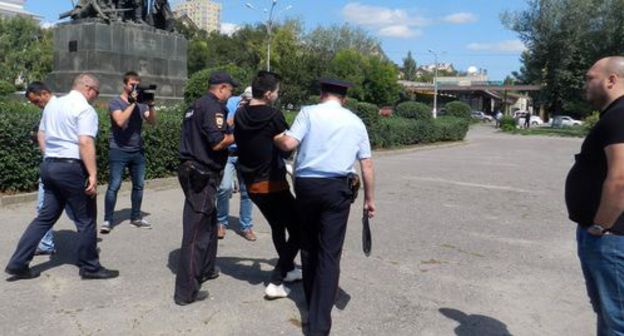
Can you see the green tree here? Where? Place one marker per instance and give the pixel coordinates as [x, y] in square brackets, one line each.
[352, 66]
[381, 85]
[409, 67]
[330, 40]
[564, 38]
[25, 50]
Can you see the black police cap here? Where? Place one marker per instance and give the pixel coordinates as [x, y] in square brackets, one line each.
[221, 77]
[336, 86]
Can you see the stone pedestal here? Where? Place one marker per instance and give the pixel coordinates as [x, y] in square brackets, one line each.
[110, 50]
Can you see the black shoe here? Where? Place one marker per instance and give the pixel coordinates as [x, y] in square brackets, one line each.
[201, 296]
[101, 274]
[212, 275]
[21, 274]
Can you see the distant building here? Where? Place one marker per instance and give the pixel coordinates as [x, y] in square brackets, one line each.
[441, 67]
[10, 8]
[205, 14]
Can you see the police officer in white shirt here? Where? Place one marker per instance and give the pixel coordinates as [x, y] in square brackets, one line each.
[69, 126]
[330, 139]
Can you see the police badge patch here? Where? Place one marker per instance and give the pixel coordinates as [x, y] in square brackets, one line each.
[219, 119]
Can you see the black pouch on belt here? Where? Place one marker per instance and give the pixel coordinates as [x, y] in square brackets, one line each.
[199, 178]
[353, 181]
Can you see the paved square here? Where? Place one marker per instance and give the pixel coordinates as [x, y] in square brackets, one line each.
[470, 239]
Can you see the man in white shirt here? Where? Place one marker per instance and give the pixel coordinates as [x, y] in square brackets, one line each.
[69, 174]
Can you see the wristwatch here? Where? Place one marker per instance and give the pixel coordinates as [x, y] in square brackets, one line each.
[597, 230]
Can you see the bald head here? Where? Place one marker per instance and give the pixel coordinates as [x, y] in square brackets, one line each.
[88, 85]
[612, 65]
[604, 81]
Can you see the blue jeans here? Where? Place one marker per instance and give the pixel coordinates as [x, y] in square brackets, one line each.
[602, 262]
[47, 242]
[225, 192]
[118, 160]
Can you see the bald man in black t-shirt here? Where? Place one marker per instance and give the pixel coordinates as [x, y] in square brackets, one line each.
[595, 196]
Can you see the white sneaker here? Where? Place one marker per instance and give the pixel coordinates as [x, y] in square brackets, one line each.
[276, 292]
[295, 275]
[141, 224]
[105, 227]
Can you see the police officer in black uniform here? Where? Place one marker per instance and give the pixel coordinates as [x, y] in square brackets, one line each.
[203, 151]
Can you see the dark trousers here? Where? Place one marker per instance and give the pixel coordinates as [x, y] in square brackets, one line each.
[323, 205]
[64, 184]
[118, 160]
[279, 209]
[199, 236]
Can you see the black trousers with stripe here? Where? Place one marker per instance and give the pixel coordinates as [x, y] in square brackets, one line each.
[323, 205]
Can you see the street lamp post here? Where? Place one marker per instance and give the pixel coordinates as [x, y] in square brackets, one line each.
[269, 27]
[435, 83]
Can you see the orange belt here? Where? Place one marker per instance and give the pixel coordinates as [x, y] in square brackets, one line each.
[265, 187]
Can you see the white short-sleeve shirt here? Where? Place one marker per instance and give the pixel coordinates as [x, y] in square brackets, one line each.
[64, 120]
[331, 139]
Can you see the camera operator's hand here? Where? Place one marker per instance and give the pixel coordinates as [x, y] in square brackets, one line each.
[132, 97]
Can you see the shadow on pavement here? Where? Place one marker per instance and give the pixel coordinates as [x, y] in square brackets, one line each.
[248, 269]
[122, 215]
[66, 243]
[475, 325]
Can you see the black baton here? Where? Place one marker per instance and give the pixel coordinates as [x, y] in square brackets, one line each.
[367, 241]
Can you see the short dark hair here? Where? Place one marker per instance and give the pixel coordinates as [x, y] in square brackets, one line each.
[37, 88]
[131, 75]
[264, 82]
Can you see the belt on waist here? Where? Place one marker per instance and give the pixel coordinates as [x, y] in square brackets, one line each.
[265, 187]
[233, 153]
[64, 160]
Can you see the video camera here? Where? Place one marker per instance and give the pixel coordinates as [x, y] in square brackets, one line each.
[145, 93]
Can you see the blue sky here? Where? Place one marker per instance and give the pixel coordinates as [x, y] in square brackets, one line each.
[468, 31]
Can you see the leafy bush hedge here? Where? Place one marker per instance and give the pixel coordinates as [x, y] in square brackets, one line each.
[399, 131]
[414, 110]
[20, 157]
[6, 88]
[508, 123]
[591, 120]
[458, 109]
[197, 85]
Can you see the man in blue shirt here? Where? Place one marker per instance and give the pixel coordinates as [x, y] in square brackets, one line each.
[227, 183]
[329, 139]
[126, 150]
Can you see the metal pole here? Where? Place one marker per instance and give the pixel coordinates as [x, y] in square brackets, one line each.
[435, 84]
[435, 89]
[269, 32]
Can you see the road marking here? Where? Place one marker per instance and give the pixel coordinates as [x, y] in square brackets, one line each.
[475, 185]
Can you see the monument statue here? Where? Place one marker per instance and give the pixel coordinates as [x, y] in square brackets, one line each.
[110, 37]
[158, 15]
[161, 15]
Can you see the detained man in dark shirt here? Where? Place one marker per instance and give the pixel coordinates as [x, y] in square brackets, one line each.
[264, 173]
[126, 150]
[595, 196]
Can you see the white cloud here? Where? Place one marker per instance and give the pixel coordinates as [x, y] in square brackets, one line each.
[228, 28]
[388, 22]
[511, 46]
[460, 18]
[400, 31]
[46, 25]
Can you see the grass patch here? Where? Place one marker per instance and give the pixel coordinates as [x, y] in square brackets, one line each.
[576, 132]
